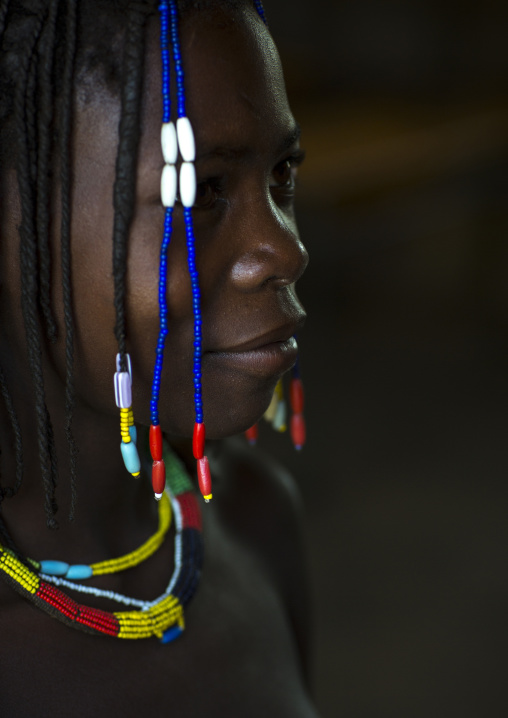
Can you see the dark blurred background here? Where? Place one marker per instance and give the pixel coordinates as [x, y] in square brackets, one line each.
[403, 206]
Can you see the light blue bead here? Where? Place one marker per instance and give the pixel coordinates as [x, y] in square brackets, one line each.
[134, 433]
[79, 571]
[130, 457]
[54, 568]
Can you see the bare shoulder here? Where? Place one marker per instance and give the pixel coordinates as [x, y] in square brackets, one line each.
[261, 504]
[258, 496]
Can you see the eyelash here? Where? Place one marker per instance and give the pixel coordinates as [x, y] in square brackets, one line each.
[215, 185]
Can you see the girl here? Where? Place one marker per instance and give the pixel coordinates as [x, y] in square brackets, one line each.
[84, 86]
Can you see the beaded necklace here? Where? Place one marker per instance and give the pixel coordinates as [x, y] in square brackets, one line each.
[162, 617]
[114, 565]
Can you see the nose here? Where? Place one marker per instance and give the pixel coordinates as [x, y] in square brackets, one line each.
[269, 249]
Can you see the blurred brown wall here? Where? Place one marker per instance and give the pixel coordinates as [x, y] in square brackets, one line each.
[402, 204]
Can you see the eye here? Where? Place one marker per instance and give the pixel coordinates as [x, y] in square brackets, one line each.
[207, 193]
[284, 173]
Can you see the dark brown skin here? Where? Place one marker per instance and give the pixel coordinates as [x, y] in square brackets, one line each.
[244, 651]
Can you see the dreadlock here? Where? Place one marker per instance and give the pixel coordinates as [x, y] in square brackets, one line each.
[125, 183]
[47, 44]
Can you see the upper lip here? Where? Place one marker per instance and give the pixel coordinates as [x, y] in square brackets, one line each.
[281, 333]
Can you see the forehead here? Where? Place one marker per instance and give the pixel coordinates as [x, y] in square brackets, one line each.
[234, 84]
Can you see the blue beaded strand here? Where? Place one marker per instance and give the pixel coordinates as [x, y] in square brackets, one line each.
[177, 59]
[168, 224]
[261, 10]
[164, 40]
[189, 227]
[163, 315]
[196, 306]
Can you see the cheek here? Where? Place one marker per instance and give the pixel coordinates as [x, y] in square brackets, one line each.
[92, 296]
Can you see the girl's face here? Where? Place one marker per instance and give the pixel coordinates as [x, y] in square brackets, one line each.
[249, 255]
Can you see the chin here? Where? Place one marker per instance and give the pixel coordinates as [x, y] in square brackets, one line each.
[243, 409]
[232, 403]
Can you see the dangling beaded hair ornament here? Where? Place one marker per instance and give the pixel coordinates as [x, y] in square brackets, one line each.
[276, 414]
[123, 398]
[174, 141]
[296, 399]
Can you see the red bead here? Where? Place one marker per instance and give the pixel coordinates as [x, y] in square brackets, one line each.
[155, 439]
[296, 395]
[158, 477]
[298, 430]
[204, 478]
[252, 434]
[198, 441]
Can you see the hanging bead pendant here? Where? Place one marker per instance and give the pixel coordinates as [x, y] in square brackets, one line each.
[297, 424]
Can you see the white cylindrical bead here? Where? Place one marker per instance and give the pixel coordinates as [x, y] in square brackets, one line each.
[169, 143]
[168, 185]
[187, 184]
[123, 390]
[186, 143]
[129, 366]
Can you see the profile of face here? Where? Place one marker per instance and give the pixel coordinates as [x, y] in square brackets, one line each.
[249, 254]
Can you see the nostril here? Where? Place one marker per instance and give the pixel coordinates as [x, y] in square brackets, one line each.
[277, 263]
[250, 271]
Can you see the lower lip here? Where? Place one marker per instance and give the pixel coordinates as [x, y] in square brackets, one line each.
[270, 359]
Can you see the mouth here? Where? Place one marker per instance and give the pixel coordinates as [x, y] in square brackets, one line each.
[272, 353]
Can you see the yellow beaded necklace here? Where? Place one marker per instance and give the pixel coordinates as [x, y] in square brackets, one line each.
[114, 565]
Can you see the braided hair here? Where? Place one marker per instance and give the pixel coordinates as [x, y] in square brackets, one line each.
[47, 46]
[48, 50]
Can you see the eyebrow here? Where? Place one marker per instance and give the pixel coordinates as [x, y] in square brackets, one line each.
[242, 153]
